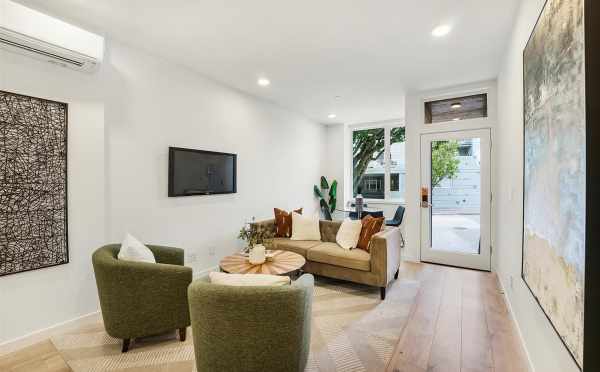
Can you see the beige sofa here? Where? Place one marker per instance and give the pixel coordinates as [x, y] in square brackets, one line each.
[326, 258]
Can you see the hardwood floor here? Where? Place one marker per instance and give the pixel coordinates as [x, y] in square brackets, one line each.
[459, 323]
[40, 357]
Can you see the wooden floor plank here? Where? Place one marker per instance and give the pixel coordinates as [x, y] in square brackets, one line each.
[476, 351]
[507, 350]
[446, 348]
[40, 357]
[414, 347]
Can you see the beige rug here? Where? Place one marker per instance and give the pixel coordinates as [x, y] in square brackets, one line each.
[352, 330]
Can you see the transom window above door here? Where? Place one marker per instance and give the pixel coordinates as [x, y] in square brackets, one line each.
[456, 109]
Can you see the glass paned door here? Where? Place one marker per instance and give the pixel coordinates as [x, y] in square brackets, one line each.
[456, 198]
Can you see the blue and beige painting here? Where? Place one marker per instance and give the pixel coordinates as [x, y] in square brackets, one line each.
[554, 184]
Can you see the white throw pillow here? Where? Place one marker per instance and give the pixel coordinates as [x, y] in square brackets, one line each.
[133, 250]
[243, 280]
[348, 234]
[305, 227]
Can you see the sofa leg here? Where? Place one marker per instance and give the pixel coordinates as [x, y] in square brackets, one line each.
[182, 333]
[396, 274]
[126, 343]
[382, 292]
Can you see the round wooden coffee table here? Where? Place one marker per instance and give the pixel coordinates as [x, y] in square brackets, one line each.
[282, 263]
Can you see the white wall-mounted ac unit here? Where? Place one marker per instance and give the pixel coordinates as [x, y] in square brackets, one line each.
[27, 31]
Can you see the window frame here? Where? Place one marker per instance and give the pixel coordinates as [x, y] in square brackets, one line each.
[387, 129]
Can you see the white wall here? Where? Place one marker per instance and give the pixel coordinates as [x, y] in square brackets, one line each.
[333, 159]
[37, 299]
[545, 349]
[121, 121]
[152, 105]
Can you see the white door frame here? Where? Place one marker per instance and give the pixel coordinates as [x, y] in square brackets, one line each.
[481, 261]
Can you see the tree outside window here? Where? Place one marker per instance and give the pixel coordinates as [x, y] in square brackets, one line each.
[370, 165]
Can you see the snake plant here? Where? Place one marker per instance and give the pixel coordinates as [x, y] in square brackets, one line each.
[331, 202]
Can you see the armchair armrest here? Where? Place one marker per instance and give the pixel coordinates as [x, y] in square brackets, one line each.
[168, 255]
[385, 254]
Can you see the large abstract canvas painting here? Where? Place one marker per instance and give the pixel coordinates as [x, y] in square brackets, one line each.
[555, 169]
[33, 183]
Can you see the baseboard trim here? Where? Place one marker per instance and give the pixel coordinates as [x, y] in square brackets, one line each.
[41, 334]
[410, 259]
[512, 314]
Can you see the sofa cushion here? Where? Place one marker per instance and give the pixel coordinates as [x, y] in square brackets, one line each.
[333, 254]
[348, 234]
[305, 227]
[370, 227]
[283, 222]
[296, 246]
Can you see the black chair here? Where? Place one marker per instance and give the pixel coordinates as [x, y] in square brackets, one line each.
[397, 220]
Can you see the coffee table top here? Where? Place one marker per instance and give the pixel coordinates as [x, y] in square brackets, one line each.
[282, 262]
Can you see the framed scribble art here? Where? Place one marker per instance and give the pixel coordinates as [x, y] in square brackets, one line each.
[33, 183]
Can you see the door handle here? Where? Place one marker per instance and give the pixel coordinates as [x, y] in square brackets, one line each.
[425, 197]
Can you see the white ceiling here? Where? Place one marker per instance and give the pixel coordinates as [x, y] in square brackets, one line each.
[367, 52]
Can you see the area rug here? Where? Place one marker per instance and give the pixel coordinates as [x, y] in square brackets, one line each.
[352, 330]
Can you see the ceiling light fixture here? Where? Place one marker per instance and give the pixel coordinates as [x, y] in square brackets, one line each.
[456, 105]
[441, 30]
[331, 116]
[263, 82]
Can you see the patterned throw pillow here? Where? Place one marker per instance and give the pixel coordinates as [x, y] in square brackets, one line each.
[370, 227]
[283, 222]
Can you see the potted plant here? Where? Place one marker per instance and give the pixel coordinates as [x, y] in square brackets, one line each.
[254, 235]
[327, 206]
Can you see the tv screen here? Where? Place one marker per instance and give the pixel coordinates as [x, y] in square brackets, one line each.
[198, 172]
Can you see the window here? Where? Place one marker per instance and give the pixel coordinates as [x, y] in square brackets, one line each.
[455, 109]
[379, 170]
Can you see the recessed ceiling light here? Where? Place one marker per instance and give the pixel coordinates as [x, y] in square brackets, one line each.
[456, 105]
[331, 116]
[263, 82]
[441, 30]
[456, 119]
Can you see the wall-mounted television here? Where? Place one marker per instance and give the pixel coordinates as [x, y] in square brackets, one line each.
[199, 172]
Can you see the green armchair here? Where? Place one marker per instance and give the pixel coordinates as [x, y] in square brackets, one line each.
[141, 299]
[251, 328]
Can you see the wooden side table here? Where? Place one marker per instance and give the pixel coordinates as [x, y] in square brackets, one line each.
[282, 263]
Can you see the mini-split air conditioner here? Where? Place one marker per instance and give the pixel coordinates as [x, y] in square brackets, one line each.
[27, 31]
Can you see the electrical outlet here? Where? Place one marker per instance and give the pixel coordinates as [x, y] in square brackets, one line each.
[211, 251]
[192, 257]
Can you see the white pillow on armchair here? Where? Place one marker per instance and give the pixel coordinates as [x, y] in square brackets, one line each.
[133, 250]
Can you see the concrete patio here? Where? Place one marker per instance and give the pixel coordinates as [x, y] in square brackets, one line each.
[456, 232]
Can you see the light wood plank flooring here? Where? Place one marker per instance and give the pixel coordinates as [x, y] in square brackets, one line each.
[458, 323]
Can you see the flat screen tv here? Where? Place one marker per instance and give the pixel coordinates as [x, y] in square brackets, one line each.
[199, 172]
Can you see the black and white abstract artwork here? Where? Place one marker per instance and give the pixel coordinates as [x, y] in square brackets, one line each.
[33, 183]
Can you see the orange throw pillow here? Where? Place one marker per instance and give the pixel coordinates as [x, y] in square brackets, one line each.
[370, 227]
[283, 222]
